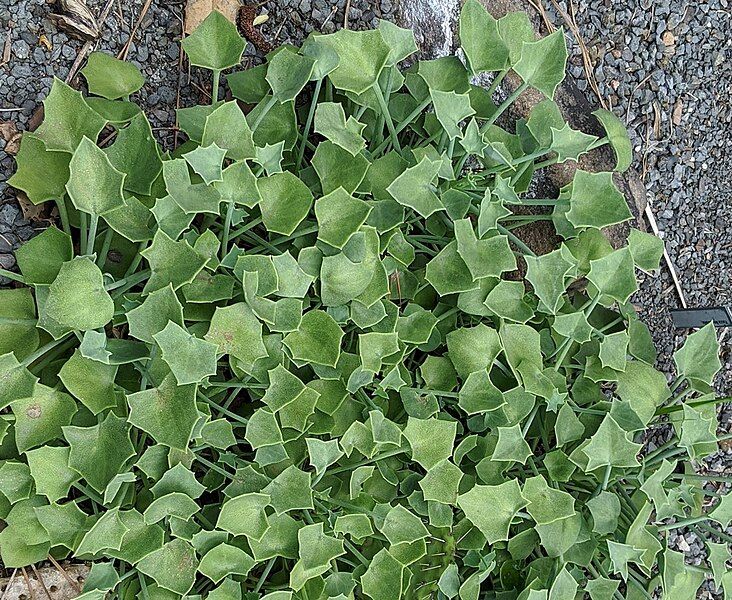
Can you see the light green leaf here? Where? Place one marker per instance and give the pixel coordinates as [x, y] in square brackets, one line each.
[215, 44]
[317, 339]
[448, 273]
[105, 534]
[192, 198]
[224, 560]
[175, 504]
[330, 121]
[94, 185]
[415, 188]
[236, 331]
[441, 483]
[451, 109]
[610, 446]
[646, 248]
[77, 298]
[618, 136]
[698, 358]
[511, 445]
[375, 347]
[290, 490]
[286, 201]
[67, 119]
[40, 173]
[504, 500]
[400, 41]
[172, 567]
[190, 359]
[614, 350]
[316, 551]
[111, 78]
[227, 128]
[385, 577]
[472, 349]
[480, 39]
[340, 216]
[431, 440]
[605, 510]
[171, 262]
[287, 73]
[337, 167]
[402, 526]
[596, 202]
[207, 162]
[151, 317]
[570, 144]
[614, 275]
[484, 257]
[50, 471]
[168, 412]
[542, 63]
[90, 381]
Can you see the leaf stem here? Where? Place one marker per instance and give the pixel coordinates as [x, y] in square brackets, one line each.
[10, 275]
[368, 461]
[309, 122]
[519, 244]
[260, 117]
[496, 82]
[91, 238]
[215, 86]
[387, 117]
[63, 214]
[30, 359]
[683, 523]
[504, 106]
[227, 229]
[102, 258]
[405, 123]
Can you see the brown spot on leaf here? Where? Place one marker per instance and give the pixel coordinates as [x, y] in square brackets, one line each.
[34, 411]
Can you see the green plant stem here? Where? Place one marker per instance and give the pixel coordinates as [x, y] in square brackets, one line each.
[683, 523]
[698, 477]
[91, 238]
[31, 358]
[10, 275]
[102, 258]
[227, 229]
[83, 230]
[405, 123]
[309, 122]
[63, 215]
[672, 409]
[387, 118]
[222, 410]
[265, 574]
[244, 228]
[367, 461]
[213, 466]
[496, 82]
[267, 107]
[215, 86]
[504, 106]
[720, 534]
[125, 284]
[517, 242]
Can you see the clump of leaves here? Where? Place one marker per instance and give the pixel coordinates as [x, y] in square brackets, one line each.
[295, 357]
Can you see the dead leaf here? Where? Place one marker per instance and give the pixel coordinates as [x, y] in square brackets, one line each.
[657, 120]
[678, 112]
[36, 118]
[668, 38]
[31, 212]
[198, 10]
[9, 132]
[45, 42]
[77, 20]
[7, 49]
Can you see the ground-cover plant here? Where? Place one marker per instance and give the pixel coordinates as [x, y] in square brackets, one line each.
[307, 355]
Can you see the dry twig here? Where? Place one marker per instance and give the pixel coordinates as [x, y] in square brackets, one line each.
[123, 53]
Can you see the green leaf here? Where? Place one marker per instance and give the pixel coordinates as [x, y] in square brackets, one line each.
[178, 479]
[227, 128]
[90, 381]
[77, 298]
[330, 121]
[698, 358]
[480, 39]
[472, 349]
[451, 109]
[215, 44]
[190, 359]
[111, 78]
[207, 162]
[547, 505]
[175, 504]
[385, 577]
[402, 526]
[677, 580]
[570, 144]
[322, 454]
[236, 331]
[361, 58]
[605, 510]
[290, 490]
[511, 445]
[95, 186]
[415, 188]
[375, 347]
[286, 201]
[317, 339]
[441, 483]
[340, 216]
[358, 526]
[168, 412]
[431, 440]
[646, 248]
[504, 500]
[18, 321]
[105, 534]
[152, 316]
[172, 567]
[99, 452]
[316, 551]
[171, 262]
[41, 173]
[224, 560]
[238, 185]
[484, 257]
[543, 62]
[614, 275]
[614, 350]
[448, 273]
[67, 119]
[337, 167]
[596, 202]
[16, 381]
[618, 136]
[400, 41]
[610, 446]
[136, 154]
[479, 395]
[287, 74]
[50, 471]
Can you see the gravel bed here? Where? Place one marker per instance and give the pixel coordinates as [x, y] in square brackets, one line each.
[664, 66]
